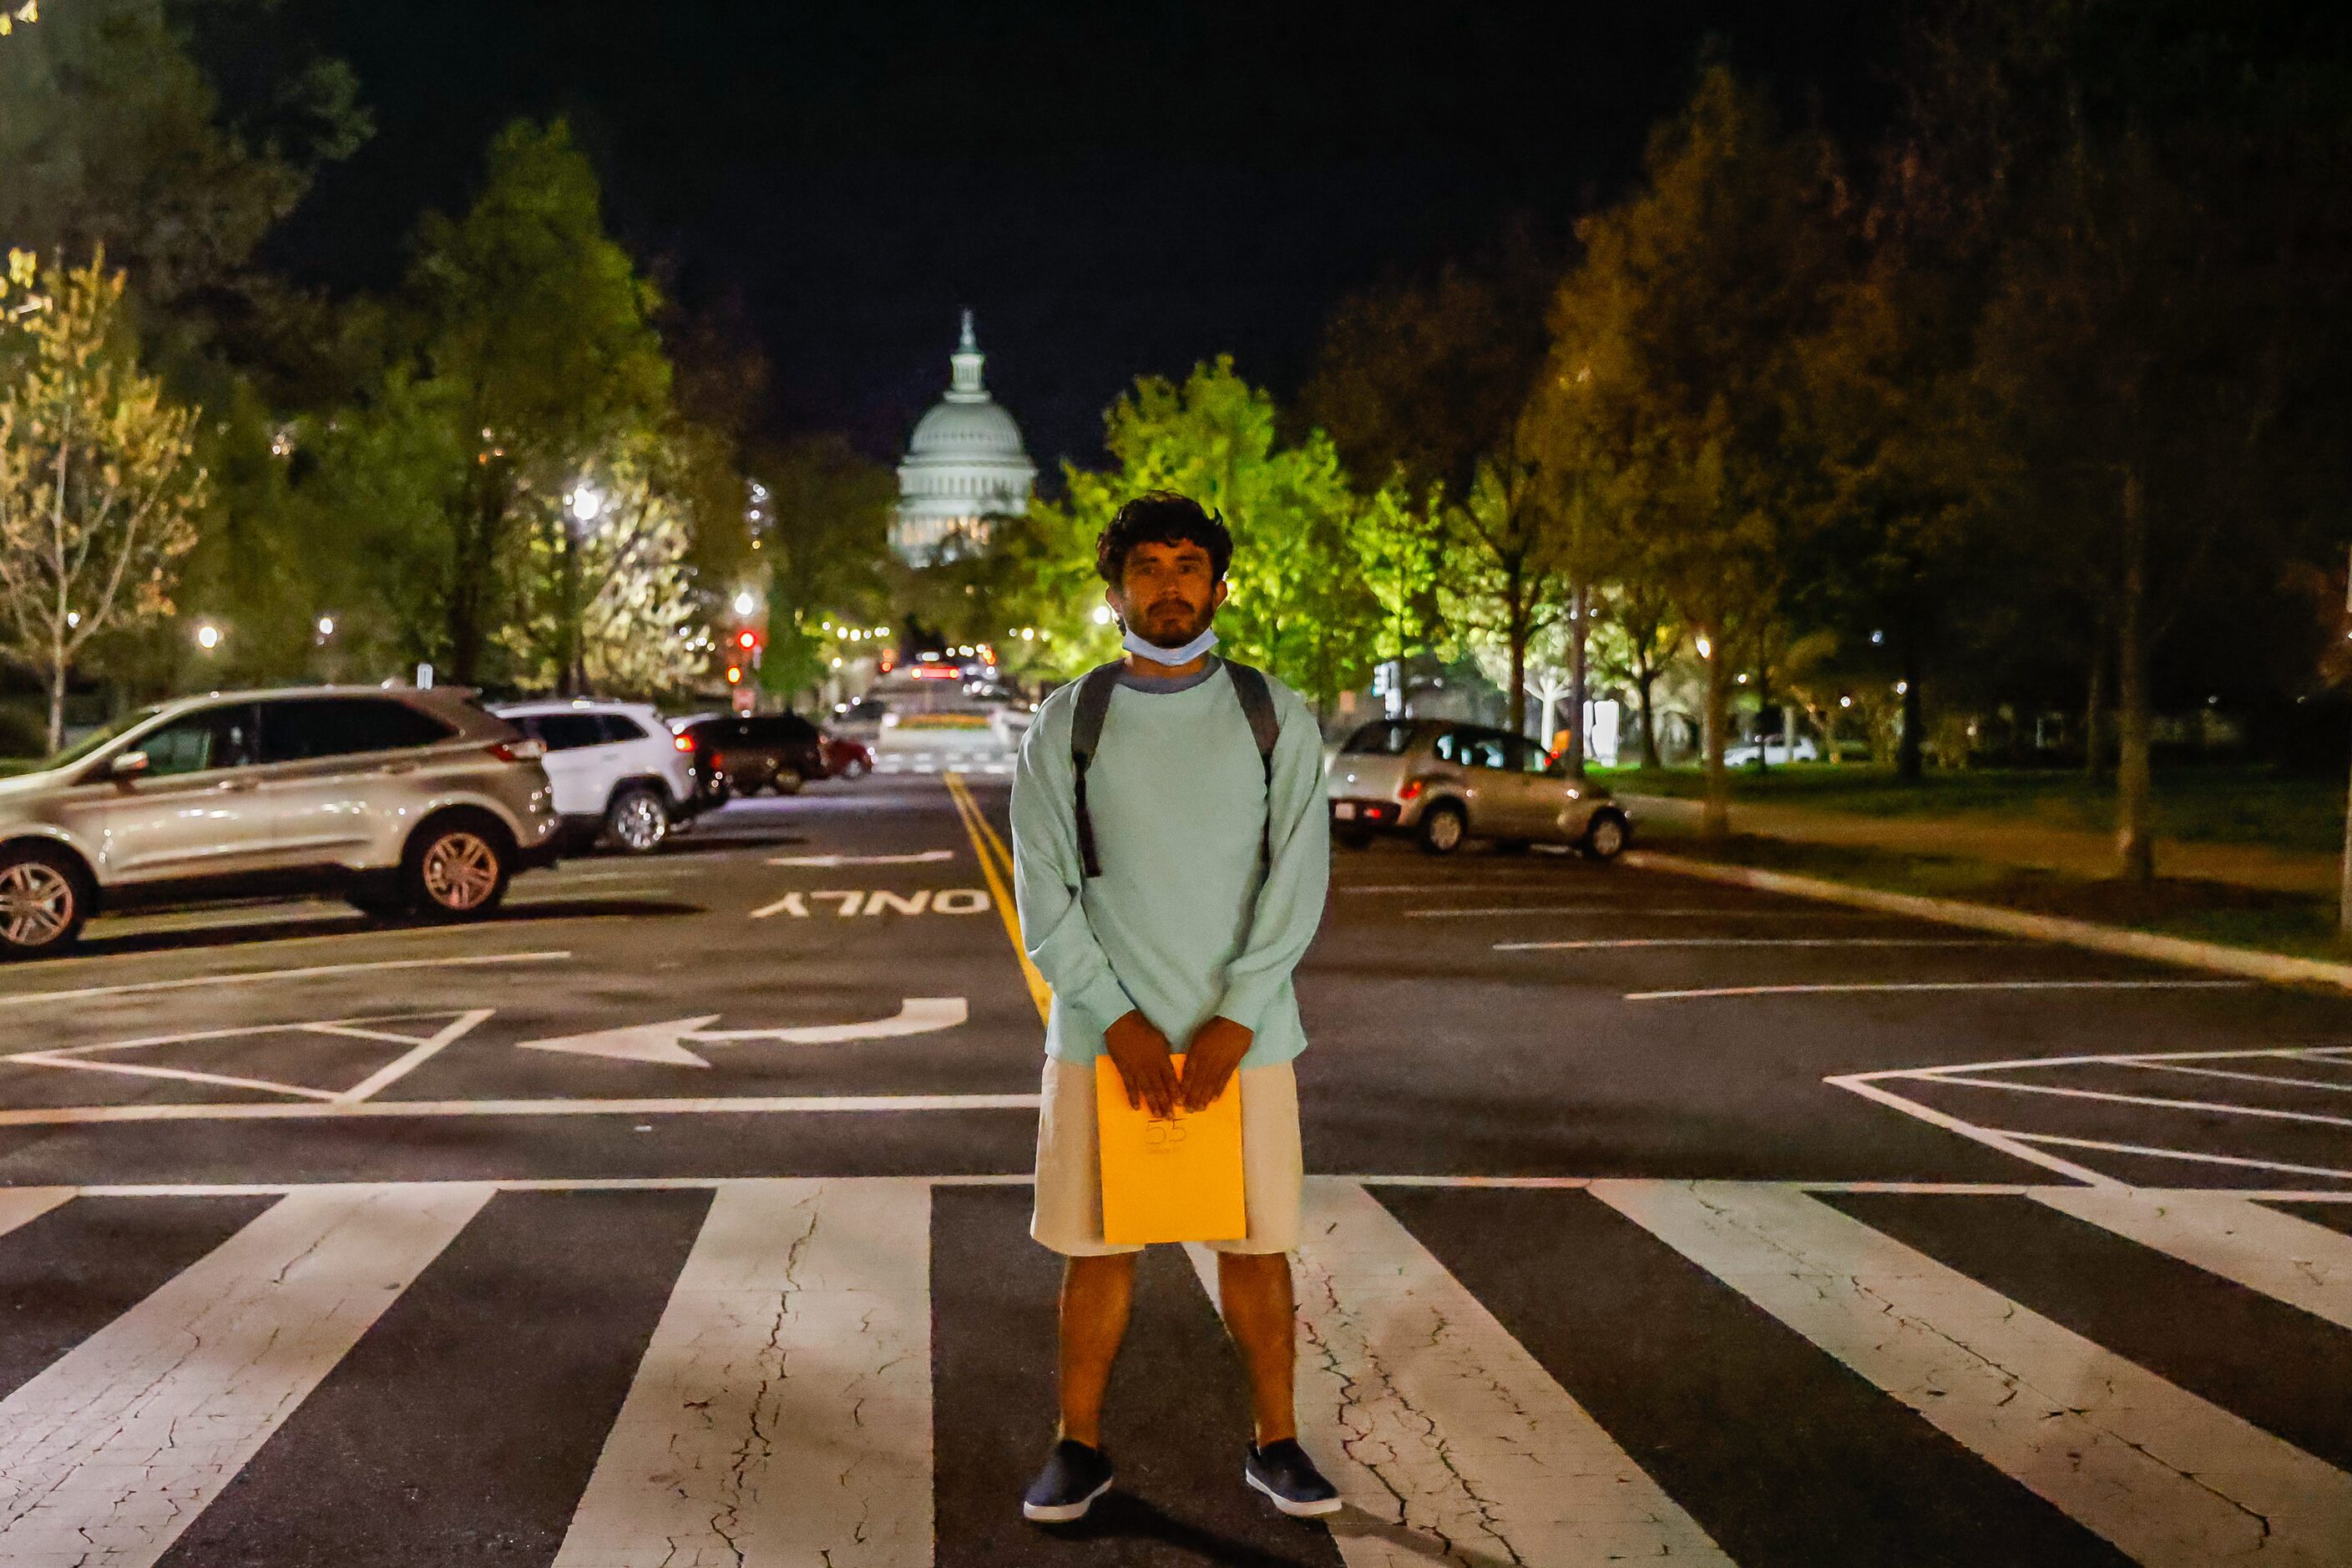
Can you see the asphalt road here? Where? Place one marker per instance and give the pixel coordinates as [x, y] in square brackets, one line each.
[676, 1216]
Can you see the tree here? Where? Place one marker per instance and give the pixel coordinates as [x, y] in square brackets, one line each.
[825, 537]
[1298, 606]
[1677, 332]
[614, 605]
[112, 135]
[540, 328]
[1503, 580]
[98, 489]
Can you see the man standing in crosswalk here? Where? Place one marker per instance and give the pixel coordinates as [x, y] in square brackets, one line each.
[1172, 855]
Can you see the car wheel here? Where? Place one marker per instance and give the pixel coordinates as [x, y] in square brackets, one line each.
[854, 768]
[1443, 828]
[637, 820]
[1351, 839]
[787, 780]
[457, 869]
[44, 898]
[1606, 836]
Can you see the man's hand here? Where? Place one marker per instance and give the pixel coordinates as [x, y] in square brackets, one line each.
[1217, 1048]
[1140, 1053]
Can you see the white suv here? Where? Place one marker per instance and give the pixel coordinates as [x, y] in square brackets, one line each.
[617, 770]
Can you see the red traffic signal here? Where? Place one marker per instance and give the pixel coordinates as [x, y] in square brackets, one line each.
[747, 639]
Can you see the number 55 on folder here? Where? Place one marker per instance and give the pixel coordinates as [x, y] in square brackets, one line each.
[1178, 1179]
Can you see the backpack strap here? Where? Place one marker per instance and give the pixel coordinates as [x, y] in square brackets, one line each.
[1095, 689]
[1266, 726]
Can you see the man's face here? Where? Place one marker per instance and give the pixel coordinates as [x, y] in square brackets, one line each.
[1168, 593]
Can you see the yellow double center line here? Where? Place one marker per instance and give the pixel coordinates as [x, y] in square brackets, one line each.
[996, 865]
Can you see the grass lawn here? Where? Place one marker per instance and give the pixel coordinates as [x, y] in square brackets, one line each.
[2292, 924]
[2222, 804]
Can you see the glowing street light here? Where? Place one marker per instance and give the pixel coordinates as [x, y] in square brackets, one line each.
[208, 636]
[1706, 649]
[326, 625]
[745, 603]
[585, 502]
[1102, 615]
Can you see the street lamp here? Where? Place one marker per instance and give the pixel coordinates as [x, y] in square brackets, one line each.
[1102, 615]
[745, 603]
[585, 502]
[208, 636]
[326, 628]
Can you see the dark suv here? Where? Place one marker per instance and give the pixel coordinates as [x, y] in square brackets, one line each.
[733, 756]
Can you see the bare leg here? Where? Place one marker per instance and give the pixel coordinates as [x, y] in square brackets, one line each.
[1254, 1291]
[1096, 1293]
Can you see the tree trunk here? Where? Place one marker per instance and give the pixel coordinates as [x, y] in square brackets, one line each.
[2094, 707]
[1910, 746]
[1714, 821]
[57, 707]
[1763, 706]
[1579, 678]
[2135, 787]
[1518, 700]
[1643, 682]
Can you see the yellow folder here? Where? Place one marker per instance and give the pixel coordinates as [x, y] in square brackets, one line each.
[1178, 1179]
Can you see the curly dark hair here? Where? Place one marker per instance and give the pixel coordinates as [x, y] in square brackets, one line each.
[1161, 517]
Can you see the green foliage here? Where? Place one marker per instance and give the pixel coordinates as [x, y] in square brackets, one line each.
[824, 539]
[1297, 605]
[99, 486]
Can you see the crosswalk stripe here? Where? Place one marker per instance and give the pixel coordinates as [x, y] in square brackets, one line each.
[2293, 1260]
[115, 1449]
[22, 1205]
[1438, 1423]
[783, 1412]
[2172, 1480]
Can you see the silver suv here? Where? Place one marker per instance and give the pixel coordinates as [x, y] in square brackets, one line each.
[1444, 781]
[407, 802]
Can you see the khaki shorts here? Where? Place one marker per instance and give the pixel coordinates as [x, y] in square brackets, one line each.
[1068, 1217]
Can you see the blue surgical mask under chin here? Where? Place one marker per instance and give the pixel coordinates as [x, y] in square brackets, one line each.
[1135, 643]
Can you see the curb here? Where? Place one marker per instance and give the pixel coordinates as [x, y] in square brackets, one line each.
[2276, 968]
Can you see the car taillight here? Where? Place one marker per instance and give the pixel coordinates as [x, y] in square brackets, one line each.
[718, 760]
[518, 751]
[683, 743]
[1411, 790]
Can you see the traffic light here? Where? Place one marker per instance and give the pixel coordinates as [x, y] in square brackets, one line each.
[734, 675]
[748, 645]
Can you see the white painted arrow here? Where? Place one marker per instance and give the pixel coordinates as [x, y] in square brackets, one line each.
[667, 1043]
[861, 860]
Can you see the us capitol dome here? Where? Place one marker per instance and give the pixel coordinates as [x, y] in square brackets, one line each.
[965, 466]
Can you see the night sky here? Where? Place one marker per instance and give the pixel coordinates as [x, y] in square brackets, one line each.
[1116, 186]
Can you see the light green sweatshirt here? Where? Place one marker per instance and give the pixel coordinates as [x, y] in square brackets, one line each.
[1186, 922]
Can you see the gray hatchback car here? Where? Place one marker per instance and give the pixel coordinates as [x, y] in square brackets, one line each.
[1445, 782]
[406, 802]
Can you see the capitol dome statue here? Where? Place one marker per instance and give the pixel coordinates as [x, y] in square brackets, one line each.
[964, 466]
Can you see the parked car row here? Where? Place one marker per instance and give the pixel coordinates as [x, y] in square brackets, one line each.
[406, 803]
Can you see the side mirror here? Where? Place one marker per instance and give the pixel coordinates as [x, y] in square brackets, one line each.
[128, 766]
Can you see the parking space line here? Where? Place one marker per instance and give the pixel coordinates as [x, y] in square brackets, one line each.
[2333, 1086]
[250, 977]
[1836, 989]
[1755, 942]
[174, 1075]
[1633, 912]
[2157, 1102]
[370, 1110]
[2194, 1157]
[392, 1072]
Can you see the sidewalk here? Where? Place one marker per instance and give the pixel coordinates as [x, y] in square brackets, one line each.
[2036, 847]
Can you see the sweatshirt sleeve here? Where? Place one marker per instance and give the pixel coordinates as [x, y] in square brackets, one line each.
[1046, 874]
[1290, 899]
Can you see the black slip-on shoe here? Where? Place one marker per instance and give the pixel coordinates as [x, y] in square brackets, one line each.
[1074, 1476]
[1284, 1473]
